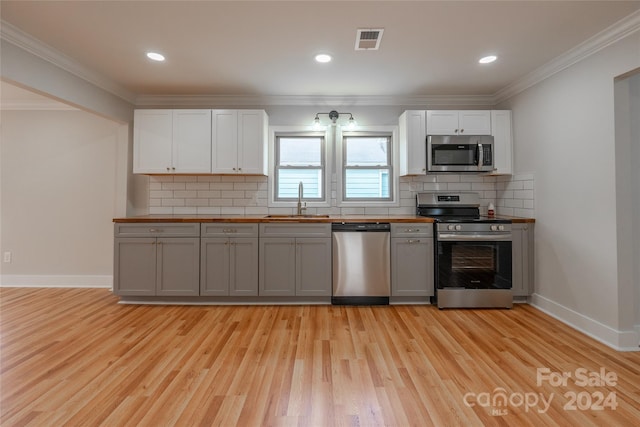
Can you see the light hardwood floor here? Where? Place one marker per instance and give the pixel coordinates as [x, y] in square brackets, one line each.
[76, 357]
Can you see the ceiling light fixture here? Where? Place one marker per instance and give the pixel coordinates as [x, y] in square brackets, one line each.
[488, 59]
[323, 58]
[334, 115]
[155, 56]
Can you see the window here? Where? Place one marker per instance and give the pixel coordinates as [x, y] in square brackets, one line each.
[299, 158]
[367, 171]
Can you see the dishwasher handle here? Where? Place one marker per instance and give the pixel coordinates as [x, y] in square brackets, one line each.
[361, 227]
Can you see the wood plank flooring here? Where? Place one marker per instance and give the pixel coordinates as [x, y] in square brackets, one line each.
[76, 357]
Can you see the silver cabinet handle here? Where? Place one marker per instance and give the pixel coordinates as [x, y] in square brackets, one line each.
[413, 241]
[411, 230]
[155, 230]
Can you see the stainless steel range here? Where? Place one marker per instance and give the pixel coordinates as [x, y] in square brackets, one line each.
[473, 252]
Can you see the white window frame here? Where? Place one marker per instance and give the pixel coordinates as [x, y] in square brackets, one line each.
[274, 132]
[395, 186]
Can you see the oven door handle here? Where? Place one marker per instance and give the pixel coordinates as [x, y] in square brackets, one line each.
[475, 237]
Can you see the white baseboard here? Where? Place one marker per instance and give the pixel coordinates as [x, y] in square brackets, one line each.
[43, 281]
[618, 340]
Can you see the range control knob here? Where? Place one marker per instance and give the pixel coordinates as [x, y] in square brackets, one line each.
[451, 227]
[458, 227]
[494, 228]
[501, 227]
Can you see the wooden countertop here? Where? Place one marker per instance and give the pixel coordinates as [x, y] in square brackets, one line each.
[282, 218]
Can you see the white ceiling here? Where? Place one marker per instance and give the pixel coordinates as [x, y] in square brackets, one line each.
[266, 48]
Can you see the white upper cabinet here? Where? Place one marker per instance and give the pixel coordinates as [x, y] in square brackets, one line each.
[152, 140]
[502, 142]
[458, 122]
[192, 141]
[239, 142]
[172, 141]
[412, 135]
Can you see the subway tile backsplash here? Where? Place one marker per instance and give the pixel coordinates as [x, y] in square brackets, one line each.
[248, 195]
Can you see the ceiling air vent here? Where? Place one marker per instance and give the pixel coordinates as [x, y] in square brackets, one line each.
[368, 38]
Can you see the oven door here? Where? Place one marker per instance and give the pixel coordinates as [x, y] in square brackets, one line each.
[473, 262]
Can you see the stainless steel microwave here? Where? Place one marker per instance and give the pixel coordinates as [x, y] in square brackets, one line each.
[449, 153]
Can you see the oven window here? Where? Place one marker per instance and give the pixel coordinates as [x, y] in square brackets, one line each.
[472, 265]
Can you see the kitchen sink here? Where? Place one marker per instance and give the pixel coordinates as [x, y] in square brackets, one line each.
[294, 216]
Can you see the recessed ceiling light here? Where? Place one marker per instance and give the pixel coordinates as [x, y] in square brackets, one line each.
[155, 56]
[488, 59]
[323, 57]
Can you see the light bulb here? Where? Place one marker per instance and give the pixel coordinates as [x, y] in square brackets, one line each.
[352, 123]
[316, 124]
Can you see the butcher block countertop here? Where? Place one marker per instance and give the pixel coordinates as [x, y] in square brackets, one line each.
[290, 218]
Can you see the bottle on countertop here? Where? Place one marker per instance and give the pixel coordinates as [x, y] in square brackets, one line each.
[491, 210]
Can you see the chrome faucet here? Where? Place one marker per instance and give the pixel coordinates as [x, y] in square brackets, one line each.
[301, 208]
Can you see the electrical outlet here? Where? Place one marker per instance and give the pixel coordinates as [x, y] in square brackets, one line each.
[7, 257]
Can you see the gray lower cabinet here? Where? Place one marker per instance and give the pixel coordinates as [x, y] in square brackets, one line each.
[156, 260]
[229, 260]
[295, 260]
[412, 260]
[522, 255]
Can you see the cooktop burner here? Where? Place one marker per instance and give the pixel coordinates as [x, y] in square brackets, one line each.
[453, 207]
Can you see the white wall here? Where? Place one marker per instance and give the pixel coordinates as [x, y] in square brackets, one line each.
[635, 180]
[564, 132]
[58, 178]
[628, 177]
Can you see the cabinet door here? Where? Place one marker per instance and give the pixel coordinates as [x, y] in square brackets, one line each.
[178, 266]
[191, 141]
[522, 259]
[413, 135]
[474, 122]
[502, 141]
[152, 135]
[134, 267]
[252, 142]
[442, 122]
[224, 141]
[243, 266]
[277, 266]
[214, 266]
[313, 267]
[412, 266]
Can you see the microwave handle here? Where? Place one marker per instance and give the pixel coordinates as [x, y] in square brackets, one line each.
[480, 152]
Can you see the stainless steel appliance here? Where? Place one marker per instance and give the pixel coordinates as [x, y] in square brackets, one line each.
[449, 153]
[361, 263]
[473, 252]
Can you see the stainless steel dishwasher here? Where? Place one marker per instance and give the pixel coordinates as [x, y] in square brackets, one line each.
[361, 263]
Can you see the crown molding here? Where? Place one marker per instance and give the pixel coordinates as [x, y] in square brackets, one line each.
[621, 29]
[36, 47]
[217, 101]
[31, 105]
[618, 31]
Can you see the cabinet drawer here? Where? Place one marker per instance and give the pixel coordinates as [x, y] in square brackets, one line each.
[412, 230]
[229, 229]
[295, 230]
[157, 230]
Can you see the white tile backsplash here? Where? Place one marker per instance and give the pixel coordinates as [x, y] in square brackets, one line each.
[247, 195]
